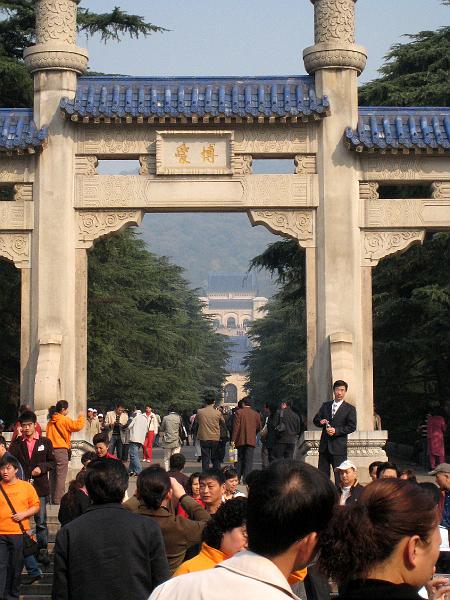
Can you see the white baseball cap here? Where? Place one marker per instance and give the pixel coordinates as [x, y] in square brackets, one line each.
[90, 410]
[347, 464]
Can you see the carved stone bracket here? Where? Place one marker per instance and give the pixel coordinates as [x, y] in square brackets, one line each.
[16, 248]
[242, 164]
[86, 165]
[378, 244]
[95, 225]
[297, 224]
[368, 190]
[305, 164]
[148, 164]
[441, 190]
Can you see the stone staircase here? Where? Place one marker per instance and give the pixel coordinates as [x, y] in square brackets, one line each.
[42, 589]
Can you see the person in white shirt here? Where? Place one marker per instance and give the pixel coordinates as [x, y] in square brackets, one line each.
[280, 541]
[138, 431]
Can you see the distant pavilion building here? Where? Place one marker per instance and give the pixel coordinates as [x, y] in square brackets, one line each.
[233, 303]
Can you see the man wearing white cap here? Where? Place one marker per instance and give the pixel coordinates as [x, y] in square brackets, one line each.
[349, 489]
[92, 425]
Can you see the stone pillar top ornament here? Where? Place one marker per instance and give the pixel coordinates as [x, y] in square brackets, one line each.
[334, 36]
[56, 36]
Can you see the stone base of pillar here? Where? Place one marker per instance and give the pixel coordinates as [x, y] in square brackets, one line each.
[363, 448]
[79, 447]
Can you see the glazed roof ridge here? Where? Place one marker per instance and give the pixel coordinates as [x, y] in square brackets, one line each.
[105, 97]
[404, 128]
[18, 132]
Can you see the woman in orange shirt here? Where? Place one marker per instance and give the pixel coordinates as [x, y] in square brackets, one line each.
[25, 501]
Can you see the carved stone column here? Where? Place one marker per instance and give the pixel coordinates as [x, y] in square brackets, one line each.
[55, 62]
[56, 37]
[334, 36]
[343, 301]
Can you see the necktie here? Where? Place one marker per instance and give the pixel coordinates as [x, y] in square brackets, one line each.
[333, 410]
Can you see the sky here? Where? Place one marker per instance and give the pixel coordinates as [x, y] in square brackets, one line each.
[253, 37]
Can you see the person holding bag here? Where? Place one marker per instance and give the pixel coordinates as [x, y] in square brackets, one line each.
[18, 502]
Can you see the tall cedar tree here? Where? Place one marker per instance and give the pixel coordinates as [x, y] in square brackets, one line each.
[411, 290]
[147, 339]
[17, 32]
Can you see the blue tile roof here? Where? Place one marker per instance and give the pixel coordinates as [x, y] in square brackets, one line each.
[18, 133]
[232, 282]
[188, 97]
[392, 129]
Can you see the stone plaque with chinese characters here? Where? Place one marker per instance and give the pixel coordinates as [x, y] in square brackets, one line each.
[194, 152]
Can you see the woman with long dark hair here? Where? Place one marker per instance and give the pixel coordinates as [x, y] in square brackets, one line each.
[386, 546]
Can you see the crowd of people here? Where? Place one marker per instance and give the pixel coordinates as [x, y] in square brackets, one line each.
[221, 531]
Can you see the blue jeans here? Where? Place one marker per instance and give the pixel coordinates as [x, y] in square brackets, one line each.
[40, 520]
[135, 463]
[11, 562]
[32, 566]
[116, 444]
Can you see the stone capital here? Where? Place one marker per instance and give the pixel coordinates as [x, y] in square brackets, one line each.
[334, 55]
[56, 56]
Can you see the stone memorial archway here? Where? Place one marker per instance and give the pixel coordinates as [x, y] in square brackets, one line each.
[195, 139]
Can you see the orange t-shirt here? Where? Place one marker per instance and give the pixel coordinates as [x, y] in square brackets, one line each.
[22, 496]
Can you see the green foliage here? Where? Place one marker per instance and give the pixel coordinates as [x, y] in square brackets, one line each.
[9, 339]
[412, 334]
[277, 362]
[17, 32]
[148, 340]
[415, 74]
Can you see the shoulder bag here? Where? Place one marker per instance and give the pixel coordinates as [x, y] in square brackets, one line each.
[30, 546]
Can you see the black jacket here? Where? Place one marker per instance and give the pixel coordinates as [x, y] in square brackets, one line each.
[355, 494]
[344, 422]
[291, 426]
[375, 589]
[108, 553]
[41, 457]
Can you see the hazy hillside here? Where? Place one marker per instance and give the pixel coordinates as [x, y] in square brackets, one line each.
[204, 242]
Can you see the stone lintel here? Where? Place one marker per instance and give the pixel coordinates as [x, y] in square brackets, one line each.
[412, 213]
[135, 140]
[195, 193]
[296, 224]
[394, 168]
[16, 216]
[16, 170]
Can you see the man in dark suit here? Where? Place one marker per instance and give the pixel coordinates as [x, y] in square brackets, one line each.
[337, 419]
[35, 454]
